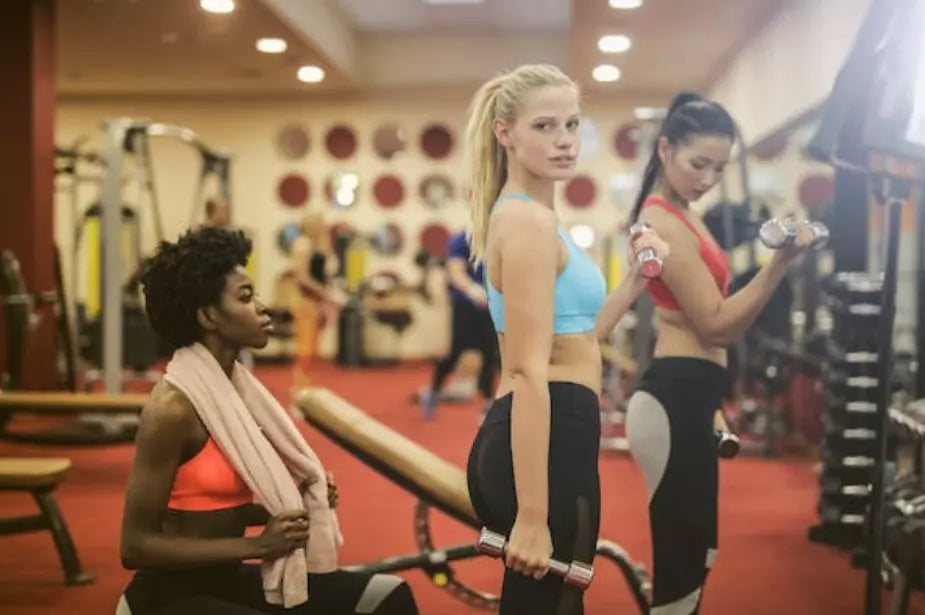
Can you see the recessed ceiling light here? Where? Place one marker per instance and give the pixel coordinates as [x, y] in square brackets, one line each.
[606, 73]
[310, 74]
[217, 6]
[614, 43]
[649, 113]
[271, 45]
[453, 1]
[625, 5]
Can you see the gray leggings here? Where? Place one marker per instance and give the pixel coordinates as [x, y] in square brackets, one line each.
[669, 425]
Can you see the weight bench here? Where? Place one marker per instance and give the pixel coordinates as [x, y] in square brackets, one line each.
[39, 476]
[65, 403]
[436, 483]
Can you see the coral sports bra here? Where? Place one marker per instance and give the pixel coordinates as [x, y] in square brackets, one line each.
[713, 257]
[208, 482]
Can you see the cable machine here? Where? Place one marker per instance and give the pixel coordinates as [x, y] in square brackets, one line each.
[128, 139]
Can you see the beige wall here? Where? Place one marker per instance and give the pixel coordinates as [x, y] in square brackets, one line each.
[791, 65]
[248, 129]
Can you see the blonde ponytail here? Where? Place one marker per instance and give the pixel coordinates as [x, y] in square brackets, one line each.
[485, 160]
[485, 163]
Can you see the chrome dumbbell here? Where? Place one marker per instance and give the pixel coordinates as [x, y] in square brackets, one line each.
[778, 233]
[577, 574]
[727, 443]
[648, 261]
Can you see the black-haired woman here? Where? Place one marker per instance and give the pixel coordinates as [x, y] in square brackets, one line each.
[670, 416]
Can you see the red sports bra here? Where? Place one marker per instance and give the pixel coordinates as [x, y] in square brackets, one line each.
[713, 257]
[208, 482]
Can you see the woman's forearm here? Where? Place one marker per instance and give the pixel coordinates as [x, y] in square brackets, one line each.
[618, 303]
[530, 418]
[739, 311]
[164, 550]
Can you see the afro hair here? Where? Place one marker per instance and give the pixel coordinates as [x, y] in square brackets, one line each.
[190, 274]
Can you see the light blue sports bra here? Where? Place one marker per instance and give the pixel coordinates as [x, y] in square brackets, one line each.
[580, 288]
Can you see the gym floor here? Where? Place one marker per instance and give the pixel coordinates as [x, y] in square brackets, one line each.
[766, 564]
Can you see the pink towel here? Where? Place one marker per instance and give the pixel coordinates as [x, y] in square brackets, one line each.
[263, 445]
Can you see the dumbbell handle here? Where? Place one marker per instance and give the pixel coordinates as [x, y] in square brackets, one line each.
[648, 261]
[578, 574]
[777, 233]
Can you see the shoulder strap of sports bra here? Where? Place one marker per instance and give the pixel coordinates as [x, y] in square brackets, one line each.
[652, 200]
[511, 195]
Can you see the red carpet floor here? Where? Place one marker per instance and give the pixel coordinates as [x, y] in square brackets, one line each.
[766, 564]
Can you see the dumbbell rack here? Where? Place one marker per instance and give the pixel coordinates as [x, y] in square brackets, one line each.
[904, 515]
[850, 375]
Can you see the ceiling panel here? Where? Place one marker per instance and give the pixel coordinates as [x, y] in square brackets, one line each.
[676, 44]
[539, 16]
[172, 46]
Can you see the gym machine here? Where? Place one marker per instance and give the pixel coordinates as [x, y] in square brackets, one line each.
[872, 125]
[124, 138]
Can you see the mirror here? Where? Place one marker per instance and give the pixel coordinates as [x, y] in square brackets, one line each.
[388, 141]
[434, 240]
[436, 191]
[293, 190]
[292, 142]
[626, 141]
[341, 188]
[580, 191]
[437, 141]
[387, 239]
[341, 142]
[388, 191]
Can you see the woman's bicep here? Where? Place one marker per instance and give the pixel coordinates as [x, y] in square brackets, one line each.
[528, 276]
[686, 275]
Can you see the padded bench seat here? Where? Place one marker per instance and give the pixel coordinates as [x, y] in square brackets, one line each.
[32, 472]
[432, 478]
[66, 402]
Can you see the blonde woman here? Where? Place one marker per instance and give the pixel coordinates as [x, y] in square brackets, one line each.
[313, 264]
[532, 471]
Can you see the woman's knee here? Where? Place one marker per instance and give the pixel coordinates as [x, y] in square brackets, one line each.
[399, 599]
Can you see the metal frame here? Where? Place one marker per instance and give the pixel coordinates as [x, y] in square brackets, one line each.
[49, 518]
[436, 563]
[125, 136]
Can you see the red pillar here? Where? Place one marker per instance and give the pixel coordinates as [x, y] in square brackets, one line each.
[27, 104]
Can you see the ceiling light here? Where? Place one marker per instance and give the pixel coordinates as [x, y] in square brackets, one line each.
[606, 73]
[310, 74]
[271, 45]
[217, 6]
[645, 114]
[453, 1]
[625, 4]
[614, 43]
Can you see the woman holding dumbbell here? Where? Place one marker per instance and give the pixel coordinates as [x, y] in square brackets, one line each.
[532, 471]
[670, 416]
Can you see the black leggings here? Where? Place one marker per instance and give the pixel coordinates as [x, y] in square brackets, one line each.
[574, 493]
[472, 330]
[669, 425]
[237, 590]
